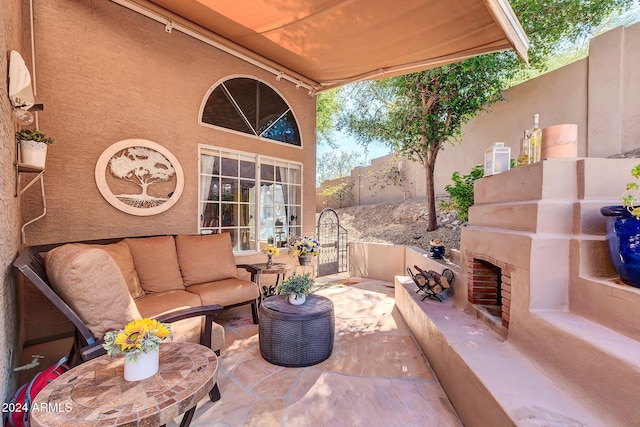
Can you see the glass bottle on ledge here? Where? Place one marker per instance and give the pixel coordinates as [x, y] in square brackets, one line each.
[525, 150]
[535, 141]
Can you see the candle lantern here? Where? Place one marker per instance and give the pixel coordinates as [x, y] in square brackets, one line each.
[497, 158]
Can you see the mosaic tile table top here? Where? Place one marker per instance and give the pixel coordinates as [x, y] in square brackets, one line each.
[96, 393]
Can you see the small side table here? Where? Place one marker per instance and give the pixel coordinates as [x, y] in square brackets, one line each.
[296, 335]
[96, 393]
[261, 268]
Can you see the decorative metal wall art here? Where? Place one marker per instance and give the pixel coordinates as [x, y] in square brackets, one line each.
[139, 177]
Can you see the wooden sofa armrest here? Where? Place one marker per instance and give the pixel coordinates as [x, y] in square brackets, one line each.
[95, 349]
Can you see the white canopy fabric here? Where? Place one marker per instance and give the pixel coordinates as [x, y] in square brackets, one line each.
[321, 44]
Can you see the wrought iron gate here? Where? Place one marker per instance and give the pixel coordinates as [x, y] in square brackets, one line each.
[333, 243]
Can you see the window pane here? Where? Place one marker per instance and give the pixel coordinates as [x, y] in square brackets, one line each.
[284, 130]
[229, 166]
[247, 239]
[209, 164]
[210, 215]
[294, 175]
[267, 170]
[229, 214]
[247, 169]
[245, 92]
[209, 188]
[220, 111]
[295, 194]
[247, 188]
[270, 107]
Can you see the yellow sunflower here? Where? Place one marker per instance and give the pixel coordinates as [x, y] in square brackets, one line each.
[131, 337]
[156, 328]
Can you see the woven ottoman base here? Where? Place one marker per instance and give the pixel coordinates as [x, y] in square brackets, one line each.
[296, 336]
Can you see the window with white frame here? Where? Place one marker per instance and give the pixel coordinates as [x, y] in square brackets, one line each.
[257, 199]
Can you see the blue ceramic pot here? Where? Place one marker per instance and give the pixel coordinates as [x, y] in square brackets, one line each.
[623, 243]
[436, 252]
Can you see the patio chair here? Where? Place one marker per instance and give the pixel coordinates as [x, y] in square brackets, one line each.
[85, 345]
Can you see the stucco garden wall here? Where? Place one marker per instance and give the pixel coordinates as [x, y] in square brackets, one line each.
[10, 39]
[597, 93]
[105, 74]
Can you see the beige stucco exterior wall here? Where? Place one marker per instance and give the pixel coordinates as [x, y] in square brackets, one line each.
[10, 39]
[106, 74]
[599, 94]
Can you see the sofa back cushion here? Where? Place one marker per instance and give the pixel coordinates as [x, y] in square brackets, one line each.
[206, 258]
[121, 254]
[91, 283]
[156, 262]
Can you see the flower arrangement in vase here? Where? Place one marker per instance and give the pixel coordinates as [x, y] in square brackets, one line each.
[296, 287]
[270, 251]
[139, 341]
[304, 247]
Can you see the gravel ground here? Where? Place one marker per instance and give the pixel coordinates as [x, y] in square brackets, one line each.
[402, 223]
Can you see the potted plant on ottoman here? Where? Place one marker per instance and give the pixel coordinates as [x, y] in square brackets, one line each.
[296, 288]
[623, 233]
[33, 147]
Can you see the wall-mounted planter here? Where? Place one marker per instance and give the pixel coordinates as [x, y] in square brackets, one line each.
[623, 243]
[33, 153]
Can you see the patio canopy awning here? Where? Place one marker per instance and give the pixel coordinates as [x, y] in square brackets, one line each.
[320, 44]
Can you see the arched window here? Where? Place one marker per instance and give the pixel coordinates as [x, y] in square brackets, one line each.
[250, 106]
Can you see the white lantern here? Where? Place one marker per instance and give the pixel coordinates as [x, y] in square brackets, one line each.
[497, 158]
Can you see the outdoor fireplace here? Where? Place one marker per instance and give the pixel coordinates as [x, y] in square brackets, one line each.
[489, 285]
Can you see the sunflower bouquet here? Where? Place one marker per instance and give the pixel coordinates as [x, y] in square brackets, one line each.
[271, 251]
[137, 337]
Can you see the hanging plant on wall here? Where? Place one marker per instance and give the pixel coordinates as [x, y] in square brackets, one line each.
[139, 177]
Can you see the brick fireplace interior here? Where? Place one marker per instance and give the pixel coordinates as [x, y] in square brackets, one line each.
[489, 286]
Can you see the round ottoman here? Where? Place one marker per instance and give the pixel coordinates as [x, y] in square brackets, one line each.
[296, 335]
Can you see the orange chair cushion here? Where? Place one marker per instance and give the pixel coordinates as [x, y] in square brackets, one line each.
[121, 254]
[156, 262]
[205, 258]
[91, 283]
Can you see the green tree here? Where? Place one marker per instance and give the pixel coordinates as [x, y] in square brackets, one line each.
[418, 113]
[328, 106]
[334, 164]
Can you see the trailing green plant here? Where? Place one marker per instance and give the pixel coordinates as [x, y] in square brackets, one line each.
[33, 135]
[461, 192]
[630, 196]
[296, 284]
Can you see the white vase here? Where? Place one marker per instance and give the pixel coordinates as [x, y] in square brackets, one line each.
[297, 299]
[145, 366]
[33, 153]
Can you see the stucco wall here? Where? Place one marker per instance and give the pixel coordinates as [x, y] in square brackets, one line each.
[10, 39]
[105, 74]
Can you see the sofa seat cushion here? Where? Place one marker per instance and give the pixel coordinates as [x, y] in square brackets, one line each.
[91, 283]
[187, 330]
[205, 258]
[226, 292]
[121, 254]
[158, 303]
[156, 262]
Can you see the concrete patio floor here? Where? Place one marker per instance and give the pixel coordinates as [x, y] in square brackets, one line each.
[376, 375]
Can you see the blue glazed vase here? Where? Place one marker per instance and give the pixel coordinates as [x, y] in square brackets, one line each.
[623, 243]
[436, 252]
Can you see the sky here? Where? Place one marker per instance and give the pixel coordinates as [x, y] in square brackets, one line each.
[348, 143]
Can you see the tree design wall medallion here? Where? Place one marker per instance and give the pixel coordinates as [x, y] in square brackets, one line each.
[139, 177]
